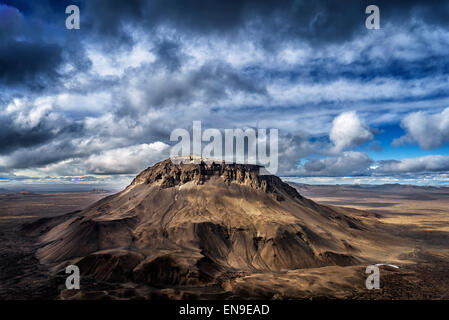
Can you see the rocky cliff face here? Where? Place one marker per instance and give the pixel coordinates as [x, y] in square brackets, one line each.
[191, 224]
[169, 174]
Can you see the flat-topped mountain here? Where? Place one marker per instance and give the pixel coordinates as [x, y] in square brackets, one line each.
[184, 224]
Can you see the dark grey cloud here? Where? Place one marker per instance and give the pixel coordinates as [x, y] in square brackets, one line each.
[39, 57]
[315, 21]
[273, 22]
[366, 68]
[45, 142]
[39, 156]
[219, 79]
[168, 53]
[211, 82]
[25, 59]
[33, 49]
[13, 137]
[28, 64]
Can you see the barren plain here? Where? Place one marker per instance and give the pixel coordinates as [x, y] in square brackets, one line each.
[344, 229]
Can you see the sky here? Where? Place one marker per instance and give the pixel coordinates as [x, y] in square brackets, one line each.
[95, 106]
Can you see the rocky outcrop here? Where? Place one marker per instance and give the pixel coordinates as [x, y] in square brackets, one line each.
[168, 174]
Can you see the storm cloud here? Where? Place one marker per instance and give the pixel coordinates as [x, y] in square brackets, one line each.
[101, 101]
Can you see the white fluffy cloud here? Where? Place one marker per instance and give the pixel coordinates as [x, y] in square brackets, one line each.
[428, 130]
[127, 160]
[348, 130]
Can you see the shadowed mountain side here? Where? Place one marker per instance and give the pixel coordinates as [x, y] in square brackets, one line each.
[189, 224]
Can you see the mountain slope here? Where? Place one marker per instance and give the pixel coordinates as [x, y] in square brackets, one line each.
[198, 223]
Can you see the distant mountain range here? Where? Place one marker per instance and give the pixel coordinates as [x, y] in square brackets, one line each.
[395, 186]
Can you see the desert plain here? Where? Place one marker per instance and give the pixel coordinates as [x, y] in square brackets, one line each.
[417, 218]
